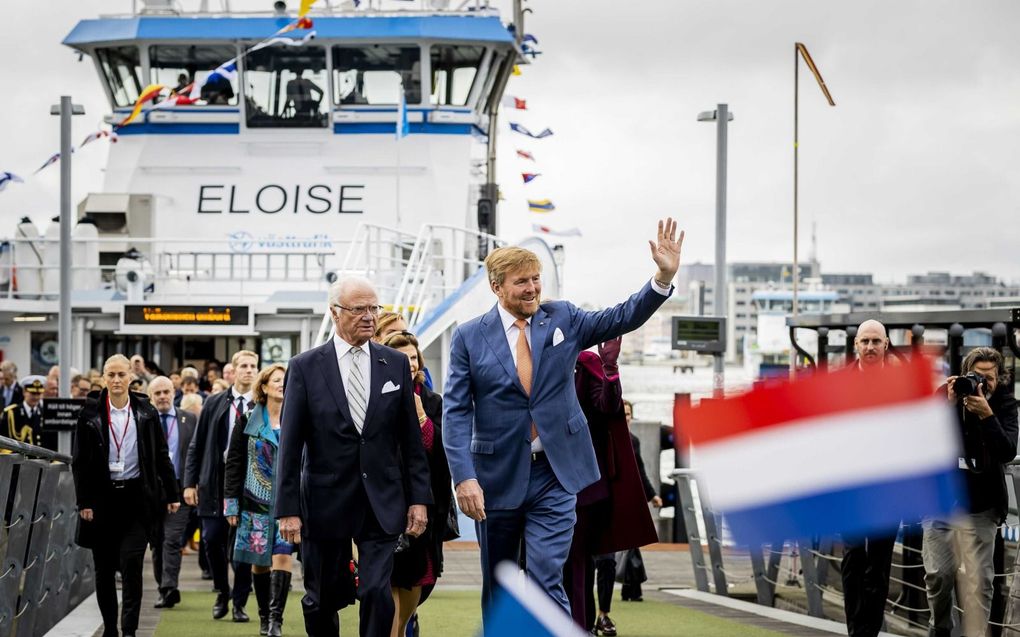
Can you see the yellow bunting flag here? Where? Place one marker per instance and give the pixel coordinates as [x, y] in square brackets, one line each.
[150, 92]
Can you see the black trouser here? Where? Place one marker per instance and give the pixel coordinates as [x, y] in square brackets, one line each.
[328, 584]
[121, 547]
[219, 546]
[605, 577]
[865, 572]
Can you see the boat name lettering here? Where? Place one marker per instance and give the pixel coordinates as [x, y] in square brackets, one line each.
[273, 198]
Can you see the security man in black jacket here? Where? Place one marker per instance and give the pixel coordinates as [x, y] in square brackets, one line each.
[124, 484]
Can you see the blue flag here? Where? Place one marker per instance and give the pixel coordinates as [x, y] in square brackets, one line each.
[521, 608]
[403, 128]
[518, 128]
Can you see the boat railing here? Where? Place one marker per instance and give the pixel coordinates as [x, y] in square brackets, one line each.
[413, 273]
[235, 267]
[442, 258]
[198, 8]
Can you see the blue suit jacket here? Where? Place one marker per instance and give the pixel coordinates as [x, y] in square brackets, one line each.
[487, 415]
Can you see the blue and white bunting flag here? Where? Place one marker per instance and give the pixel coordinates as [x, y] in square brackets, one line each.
[285, 41]
[521, 608]
[518, 128]
[226, 71]
[9, 178]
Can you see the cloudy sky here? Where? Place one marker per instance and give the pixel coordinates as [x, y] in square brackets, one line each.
[915, 169]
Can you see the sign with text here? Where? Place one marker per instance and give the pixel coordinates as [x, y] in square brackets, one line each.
[61, 414]
[204, 315]
[222, 320]
[705, 334]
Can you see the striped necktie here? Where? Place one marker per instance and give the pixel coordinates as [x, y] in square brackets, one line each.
[357, 397]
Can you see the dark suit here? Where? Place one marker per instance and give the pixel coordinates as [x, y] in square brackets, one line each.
[16, 395]
[204, 469]
[166, 554]
[348, 485]
[126, 514]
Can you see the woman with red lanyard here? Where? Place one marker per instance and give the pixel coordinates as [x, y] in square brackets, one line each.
[125, 483]
[418, 562]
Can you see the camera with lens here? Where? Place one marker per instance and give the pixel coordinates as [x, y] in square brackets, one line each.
[968, 384]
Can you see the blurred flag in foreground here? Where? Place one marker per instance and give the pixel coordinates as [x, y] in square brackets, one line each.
[846, 452]
[521, 608]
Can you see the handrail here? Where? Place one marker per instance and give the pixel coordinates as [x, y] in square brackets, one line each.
[33, 451]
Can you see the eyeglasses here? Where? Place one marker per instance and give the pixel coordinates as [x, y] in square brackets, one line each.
[361, 309]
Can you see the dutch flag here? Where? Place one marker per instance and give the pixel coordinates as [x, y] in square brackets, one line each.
[846, 452]
[521, 608]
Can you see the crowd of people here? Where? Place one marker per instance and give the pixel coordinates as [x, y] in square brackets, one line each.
[986, 412]
[349, 460]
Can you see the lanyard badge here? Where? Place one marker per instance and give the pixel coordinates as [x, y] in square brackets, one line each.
[118, 465]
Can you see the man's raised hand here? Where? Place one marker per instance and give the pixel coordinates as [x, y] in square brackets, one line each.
[666, 250]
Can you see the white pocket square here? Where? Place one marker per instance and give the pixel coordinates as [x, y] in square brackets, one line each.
[389, 386]
[557, 337]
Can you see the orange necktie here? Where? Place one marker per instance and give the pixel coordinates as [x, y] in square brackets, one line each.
[524, 364]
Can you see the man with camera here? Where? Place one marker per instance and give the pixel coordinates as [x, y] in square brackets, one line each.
[987, 411]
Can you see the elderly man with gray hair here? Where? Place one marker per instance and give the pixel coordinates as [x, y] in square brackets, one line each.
[178, 428]
[10, 388]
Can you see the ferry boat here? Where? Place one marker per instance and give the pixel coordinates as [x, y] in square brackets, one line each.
[220, 224]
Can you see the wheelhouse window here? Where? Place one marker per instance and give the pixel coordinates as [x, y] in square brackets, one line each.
[122, 68]
[374, 74]
[285, 87]
[454, 72]
[178, 67]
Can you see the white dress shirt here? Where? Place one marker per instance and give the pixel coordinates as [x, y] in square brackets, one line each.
[232, 414]
[344, 359]
[125, 431]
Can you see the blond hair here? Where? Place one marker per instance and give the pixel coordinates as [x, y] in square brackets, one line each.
[243, 352]
[503, 261]
[117, 358]
[259, 394]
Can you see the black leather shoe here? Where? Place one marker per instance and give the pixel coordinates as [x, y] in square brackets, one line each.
[219, 609]
[239, 616]
[206, 575]
[605, 626]
[172, 598]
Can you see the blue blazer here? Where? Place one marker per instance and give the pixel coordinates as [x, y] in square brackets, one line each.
[487, 415]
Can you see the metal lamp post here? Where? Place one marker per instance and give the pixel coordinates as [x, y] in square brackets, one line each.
[722, 117]
[65, 109]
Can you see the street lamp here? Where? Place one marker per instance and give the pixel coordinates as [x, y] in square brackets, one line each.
[65, 109]
[800, 51]
[722, 117]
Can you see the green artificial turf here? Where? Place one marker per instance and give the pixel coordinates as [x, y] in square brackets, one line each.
[451, 614]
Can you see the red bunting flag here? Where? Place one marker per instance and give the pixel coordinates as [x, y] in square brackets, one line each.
[528, 177]
[523, 154]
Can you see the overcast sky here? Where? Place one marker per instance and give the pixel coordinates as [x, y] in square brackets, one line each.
[915, 169]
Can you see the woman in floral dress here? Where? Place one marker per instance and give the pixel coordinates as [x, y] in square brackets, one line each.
[248, 499]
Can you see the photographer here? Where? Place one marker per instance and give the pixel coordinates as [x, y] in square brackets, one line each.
[986, 408]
